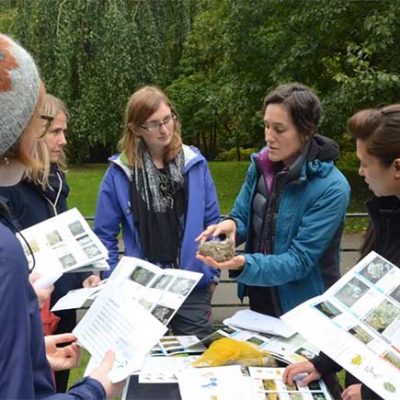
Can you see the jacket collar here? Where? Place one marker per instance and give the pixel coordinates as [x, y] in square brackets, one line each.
[191, 158]
[315, 159]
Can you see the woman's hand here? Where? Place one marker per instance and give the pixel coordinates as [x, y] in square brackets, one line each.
[236, 262]
[42, 294]
[353, 392]
[101, 374]
[61, 358]
[91, 281]
[226, 227]
[305, 368]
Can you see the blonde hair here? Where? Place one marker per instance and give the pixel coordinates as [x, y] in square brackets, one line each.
[141, 105]
[51, 107]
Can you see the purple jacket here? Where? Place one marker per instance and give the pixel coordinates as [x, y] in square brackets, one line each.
[114, 212]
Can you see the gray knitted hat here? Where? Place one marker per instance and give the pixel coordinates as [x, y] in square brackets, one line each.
[19, 91]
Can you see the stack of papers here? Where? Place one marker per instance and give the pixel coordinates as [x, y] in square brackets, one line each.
[254, 321]
[232, 383]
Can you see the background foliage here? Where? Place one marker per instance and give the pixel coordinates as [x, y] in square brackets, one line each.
[216, 59]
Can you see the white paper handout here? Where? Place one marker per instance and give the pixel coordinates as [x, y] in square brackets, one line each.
[356, 322]
[164, 369]
[222, 383]
[131, 313]
[172, 345]
[79, 298]
[61, 244]
[254, 321]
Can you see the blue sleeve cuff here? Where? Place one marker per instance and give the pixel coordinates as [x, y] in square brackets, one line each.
[88, 388]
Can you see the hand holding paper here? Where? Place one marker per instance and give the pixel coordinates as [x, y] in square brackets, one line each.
[62, 358]
[102, 372]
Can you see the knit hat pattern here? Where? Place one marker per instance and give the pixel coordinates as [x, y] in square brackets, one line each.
[19, 91]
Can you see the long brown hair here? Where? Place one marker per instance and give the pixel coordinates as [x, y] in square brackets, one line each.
[379, 129]
[141, 105]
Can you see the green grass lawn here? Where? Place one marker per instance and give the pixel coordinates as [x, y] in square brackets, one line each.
[228, 176]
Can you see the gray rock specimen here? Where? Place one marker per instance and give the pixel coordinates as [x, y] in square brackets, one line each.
[219, 250]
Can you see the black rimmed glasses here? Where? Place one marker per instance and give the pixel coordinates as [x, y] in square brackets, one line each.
[154, 127]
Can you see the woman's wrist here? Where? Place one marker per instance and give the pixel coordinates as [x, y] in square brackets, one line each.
[241, 261]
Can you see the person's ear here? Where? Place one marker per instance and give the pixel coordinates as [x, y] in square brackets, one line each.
[396, 164]
[132, 129]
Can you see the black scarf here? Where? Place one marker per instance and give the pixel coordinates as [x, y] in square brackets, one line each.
[158, 199]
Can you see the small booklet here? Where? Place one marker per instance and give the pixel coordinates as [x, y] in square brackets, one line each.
[64, 243]
[131, 313]
[356, 323]
[173, 345]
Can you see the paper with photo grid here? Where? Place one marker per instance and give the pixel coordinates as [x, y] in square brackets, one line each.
[132, 312]
[270, 384]
[356, 322]
[173, 345]
[63, 243]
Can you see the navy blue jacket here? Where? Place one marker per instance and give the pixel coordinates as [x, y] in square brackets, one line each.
[24, 370]
[28, 205]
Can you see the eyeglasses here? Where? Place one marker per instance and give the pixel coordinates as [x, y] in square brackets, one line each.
[156, 126]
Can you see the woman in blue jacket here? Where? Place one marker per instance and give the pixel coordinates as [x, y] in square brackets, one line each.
[290, 209]
[24, 370]
[160, 192]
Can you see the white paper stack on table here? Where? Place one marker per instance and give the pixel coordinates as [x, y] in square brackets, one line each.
[254, 321]
[132, 311]
[232, 382]
[64, 243]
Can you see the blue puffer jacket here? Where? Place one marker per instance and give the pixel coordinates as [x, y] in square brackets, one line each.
[311, 209]
[114, 211]
[24, 370]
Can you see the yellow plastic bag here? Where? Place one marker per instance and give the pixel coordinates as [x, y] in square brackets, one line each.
[228, 351]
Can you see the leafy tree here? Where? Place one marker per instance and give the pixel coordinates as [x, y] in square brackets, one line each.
[94, 54]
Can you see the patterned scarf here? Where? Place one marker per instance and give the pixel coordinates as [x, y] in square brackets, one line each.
[159, 202]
